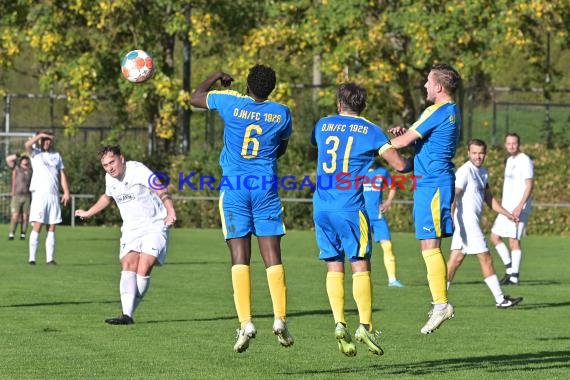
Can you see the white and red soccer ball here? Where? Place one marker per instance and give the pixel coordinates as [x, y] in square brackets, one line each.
[137, 66]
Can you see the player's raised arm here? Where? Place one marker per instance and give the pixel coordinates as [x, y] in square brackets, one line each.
[103, 201]
[404, 137]
[396, 160]
[11, 160]
[28, 145]
[198, 98]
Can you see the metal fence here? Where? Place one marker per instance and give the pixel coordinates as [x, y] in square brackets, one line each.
[6, 197]
[526, 111]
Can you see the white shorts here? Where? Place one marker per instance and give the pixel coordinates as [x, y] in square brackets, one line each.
[151, 241]
[503, 227]
[45, 208]
[469, 238]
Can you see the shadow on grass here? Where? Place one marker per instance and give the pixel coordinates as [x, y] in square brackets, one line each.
[194, 263]
[168, 263]
[539, 283]
[524, 283]
[257, 316]
[532, 306]
[491, 364]
[555, 338]
[56, 303]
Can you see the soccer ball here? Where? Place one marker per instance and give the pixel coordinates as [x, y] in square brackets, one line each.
[137, 66]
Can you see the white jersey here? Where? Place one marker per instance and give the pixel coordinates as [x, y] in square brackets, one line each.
[467, 235]
[473, 181]
[517, 169]
[140, 207]
[46, 167]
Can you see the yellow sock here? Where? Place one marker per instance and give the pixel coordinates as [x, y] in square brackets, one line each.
[335, 291]
[241, 282]
[362, 293]
[389, 260]
[278, 290]
[436, 274]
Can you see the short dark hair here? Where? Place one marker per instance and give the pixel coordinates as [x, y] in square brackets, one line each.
[351, 96]
[24, 158]
[446, 76]
[115, 149]
[261, 81]
[513, 134]
[477, 142]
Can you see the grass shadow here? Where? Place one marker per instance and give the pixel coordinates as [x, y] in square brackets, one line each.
[491, 364]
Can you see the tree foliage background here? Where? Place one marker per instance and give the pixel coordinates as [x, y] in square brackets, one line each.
[74, 47]
[387, 46]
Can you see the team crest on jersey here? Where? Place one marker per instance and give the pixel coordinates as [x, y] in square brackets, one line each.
[124, 198]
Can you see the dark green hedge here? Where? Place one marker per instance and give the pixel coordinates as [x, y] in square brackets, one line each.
[86, 177]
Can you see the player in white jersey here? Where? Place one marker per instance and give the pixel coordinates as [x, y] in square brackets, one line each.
[48, 175]
[471, 192]
[147, 212]
[517, 190]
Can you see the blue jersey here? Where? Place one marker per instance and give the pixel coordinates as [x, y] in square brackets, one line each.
[253, 132]
[438, 128]
[379, 180]
[346, 147]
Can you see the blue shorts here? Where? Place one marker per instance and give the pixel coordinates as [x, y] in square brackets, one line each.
[380, 229]
[432, 211]
[342, 233]
[251, 208]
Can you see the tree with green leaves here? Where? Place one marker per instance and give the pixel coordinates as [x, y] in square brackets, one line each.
[387, 46]
[77, 47]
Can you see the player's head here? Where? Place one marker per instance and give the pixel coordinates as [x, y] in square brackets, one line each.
[512, 143]
[112, 160]
[442, 78]
[24, 162]
[351, 98]
[47, 141]
[477, 150]
[261, 81]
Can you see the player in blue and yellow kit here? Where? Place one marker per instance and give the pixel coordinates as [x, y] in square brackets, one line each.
[256, 132]
[381, 180]
[347, 145]
[435, 135]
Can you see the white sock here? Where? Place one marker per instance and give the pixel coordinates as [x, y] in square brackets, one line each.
[439, 306]
[448, 284]
[503, 252]
[33, 244]
[143, 283]
[128, 290]
[517, 256]
[493, 284]
[50, 246]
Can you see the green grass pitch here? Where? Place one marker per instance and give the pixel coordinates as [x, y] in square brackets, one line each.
[52, 317]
